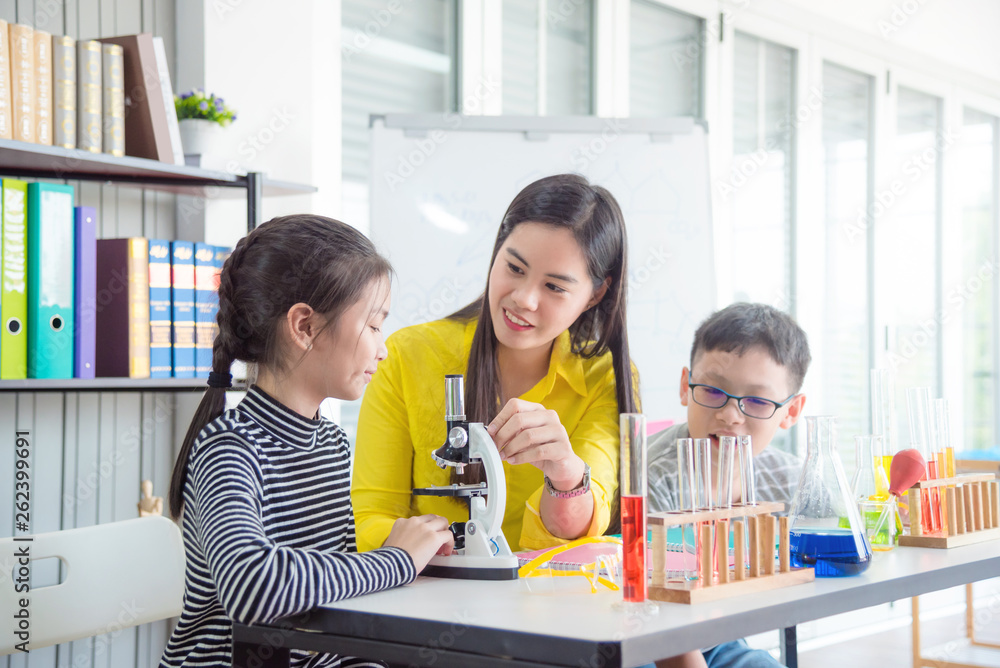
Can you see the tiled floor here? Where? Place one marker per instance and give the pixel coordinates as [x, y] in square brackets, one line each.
[892, 648]
[880, 637]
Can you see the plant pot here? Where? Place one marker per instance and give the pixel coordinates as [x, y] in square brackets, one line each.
[198, 136]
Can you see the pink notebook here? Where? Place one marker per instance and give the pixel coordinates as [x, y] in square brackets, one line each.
[591, 552]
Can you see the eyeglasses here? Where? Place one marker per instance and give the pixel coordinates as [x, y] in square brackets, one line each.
[603, 571]
[755, 407]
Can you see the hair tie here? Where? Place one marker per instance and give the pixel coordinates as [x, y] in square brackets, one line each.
[217, 379]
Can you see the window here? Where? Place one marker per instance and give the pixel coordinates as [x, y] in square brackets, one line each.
[666, 58]
[401, 62]
[847, 214]
[547, 57]
[906, 222]
[977, 156]
[761, 182]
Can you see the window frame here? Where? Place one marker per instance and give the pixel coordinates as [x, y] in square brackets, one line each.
[723, 155]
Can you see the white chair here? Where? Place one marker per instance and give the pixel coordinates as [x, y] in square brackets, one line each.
[117, 575]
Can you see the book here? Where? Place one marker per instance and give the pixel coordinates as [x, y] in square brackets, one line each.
[85, 292]
[160, 364]
[182, 308]
[43, 87]
[22, 81]
[88, 96]
[574, 558]
[123, 313]
[14, 272]
[147, 134]
[6, 120]
[50, 280]
[167, 89]
[113, 96]
[680, 555]
[64, 91]
[218, 259]
[206, 305]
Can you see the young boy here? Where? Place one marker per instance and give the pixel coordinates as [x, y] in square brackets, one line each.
[747, 366]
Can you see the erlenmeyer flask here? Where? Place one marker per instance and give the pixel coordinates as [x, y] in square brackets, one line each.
[821, 503]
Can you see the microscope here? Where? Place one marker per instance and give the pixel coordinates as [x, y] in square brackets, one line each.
[481, 550]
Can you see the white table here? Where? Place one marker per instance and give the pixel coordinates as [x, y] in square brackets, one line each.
[434, 622]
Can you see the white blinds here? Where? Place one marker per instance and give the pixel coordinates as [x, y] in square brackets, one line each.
[665, 61]
[402, 62]
[547, 57]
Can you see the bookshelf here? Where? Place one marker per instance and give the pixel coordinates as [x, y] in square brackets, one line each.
[107, 385]
[35, 161]
[22, 160]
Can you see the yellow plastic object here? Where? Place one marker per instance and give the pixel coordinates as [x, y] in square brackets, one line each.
[592, 571]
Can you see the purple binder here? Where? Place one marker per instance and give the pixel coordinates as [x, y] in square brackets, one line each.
[85, 292]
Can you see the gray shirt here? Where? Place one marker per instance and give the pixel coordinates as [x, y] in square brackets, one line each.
[776, 472]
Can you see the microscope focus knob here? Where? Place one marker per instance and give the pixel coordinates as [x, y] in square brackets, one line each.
[458, 438]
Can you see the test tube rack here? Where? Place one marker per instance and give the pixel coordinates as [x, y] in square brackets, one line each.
[717, 580]
[972, 503]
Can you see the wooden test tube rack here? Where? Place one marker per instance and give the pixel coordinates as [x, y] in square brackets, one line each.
[719, 580]
[973, 511]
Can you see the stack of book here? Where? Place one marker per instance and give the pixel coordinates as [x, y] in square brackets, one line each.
[74, 306]
[55, 90]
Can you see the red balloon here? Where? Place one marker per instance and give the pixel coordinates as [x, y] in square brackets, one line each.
[907, 468]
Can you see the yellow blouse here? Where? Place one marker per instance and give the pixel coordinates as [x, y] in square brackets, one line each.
[402, 422]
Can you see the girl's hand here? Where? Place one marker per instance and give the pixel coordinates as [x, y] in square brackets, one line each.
[422, 537]
[527, 433]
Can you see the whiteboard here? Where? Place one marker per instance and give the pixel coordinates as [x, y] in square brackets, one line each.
[440, 185]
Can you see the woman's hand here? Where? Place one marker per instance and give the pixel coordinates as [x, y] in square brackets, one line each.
[422, 537]
[528, 433]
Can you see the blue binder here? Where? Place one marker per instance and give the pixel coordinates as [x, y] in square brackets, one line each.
[51, 250]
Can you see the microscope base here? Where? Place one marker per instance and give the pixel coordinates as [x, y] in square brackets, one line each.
[463, 567]
[465, 573]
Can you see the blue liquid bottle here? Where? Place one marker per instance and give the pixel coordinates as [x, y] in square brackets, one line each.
[823, 504]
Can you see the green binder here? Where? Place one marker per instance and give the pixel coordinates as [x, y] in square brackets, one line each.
[14, 281]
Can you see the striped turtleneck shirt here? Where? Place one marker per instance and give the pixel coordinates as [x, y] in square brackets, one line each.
[269, 531]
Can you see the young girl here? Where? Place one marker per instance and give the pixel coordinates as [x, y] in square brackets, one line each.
[263, 490]
[546, 364]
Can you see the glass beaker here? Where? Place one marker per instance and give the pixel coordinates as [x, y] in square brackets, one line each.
[821, 500]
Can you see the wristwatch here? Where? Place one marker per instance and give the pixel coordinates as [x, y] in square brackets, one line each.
[579, 490]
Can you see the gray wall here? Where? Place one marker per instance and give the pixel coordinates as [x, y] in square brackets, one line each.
[91, 450]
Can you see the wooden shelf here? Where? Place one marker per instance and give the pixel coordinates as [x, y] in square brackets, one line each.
[106, 385]
[21, 159]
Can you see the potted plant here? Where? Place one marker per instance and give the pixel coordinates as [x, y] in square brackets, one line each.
[200, 117]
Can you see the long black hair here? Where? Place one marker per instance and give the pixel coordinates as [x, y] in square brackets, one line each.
[288, 260]
[593, 216]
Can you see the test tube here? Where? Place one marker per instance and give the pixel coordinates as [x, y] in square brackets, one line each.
[633, 506]
[703, 473]
[942, 418]
[686, 496]
[918, 400]
[748, 486]
[703, 491]
[884, 413]
[724, 474]
[724, 499]
[944, 452]
[685, 474]
[748, 478]
[881, 474]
